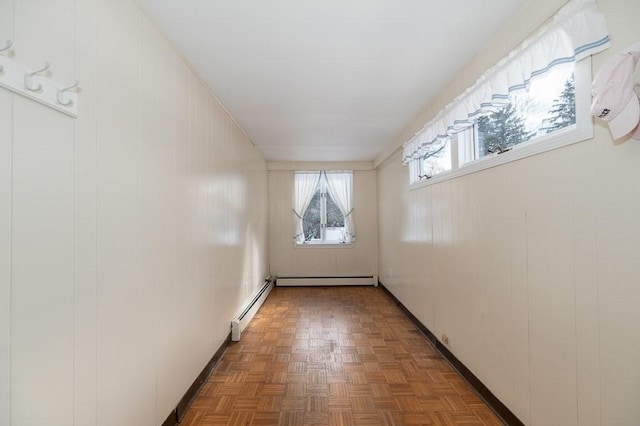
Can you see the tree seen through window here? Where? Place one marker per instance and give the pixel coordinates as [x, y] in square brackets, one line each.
[548, 106]
[312, 219]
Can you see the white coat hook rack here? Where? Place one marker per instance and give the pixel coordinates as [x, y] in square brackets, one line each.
[35, 85]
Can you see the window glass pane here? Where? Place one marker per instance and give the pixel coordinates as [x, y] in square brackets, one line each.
[335, 221]
[502, 130]
[437, 160]
[335, 218]
[311, 221]
[562, 112]
[547, 106]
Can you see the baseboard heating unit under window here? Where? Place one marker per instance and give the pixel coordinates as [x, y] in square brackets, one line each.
[249, 311]
[326, 281]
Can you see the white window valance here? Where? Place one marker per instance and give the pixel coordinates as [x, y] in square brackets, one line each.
[578, 30]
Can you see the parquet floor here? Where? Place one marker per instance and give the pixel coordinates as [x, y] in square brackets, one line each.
[334, 356]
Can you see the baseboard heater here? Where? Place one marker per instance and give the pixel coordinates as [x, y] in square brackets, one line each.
[326, 281]
[241, 320]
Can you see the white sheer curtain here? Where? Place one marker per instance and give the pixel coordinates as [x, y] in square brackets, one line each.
[577, 31]
[340, 186]
[305, 186]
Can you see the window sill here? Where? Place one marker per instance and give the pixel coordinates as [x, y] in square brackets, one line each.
[324, 245]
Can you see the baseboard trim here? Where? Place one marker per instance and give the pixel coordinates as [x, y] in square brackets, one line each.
[501, 410]
[324, 281]
[176, 416]
[171, 419]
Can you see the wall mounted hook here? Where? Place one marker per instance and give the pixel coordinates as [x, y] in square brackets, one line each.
[8, 46]
[60, 95]
[28, 78]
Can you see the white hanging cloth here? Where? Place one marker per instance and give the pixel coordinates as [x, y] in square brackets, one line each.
[340, 187]
[305, 186]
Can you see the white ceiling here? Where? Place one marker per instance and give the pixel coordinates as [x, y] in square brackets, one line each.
[333, 80]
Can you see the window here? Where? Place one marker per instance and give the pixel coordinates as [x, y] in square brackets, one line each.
[547, 107]
[437, 160]
[533, 100]
[323, 207]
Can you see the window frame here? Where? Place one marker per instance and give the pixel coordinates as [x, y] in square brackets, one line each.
[582, 130]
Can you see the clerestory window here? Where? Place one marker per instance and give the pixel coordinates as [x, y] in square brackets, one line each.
[534, 100]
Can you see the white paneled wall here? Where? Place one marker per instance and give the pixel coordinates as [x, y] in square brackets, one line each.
[128, 237]
[288, 260]
[531, 268]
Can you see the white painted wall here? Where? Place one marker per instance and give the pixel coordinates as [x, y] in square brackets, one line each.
[288, 260]
[128, 237]
[530, 268]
